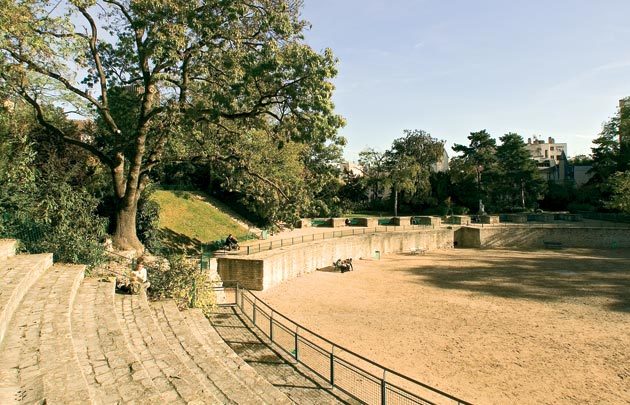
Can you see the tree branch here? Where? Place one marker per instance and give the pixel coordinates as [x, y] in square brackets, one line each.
[60, 134]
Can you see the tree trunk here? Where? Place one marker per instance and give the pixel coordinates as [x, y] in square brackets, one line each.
[125, 236]
[395, 203]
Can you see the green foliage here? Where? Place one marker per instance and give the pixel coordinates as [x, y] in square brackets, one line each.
[477, 161]
[148, 222]
[559, 196]
[374, 172]
[38, 203]
[518, 181]
[409, 163]
[184, 282]
[620, 185]
[230, 83]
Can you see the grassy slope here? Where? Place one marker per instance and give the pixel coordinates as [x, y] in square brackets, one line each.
[188, 218]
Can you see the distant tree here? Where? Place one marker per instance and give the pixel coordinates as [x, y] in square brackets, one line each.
[353, 191]
[620, 186]
[480, 157]
[581, 160]
[606, 152]
[519, 181]
[409, 163]
[374, 168]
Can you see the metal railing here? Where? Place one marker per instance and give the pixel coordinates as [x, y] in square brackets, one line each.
[360, 378]
[278, 243]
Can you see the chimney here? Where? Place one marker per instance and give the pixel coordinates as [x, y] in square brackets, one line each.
[550, 139]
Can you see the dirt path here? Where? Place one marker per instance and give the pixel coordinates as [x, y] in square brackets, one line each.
[490, 326]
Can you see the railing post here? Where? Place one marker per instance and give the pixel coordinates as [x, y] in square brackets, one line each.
[384, 389]
[248, 250]
[332, 366]
[296, 350]
[271, 326]
[254, 312]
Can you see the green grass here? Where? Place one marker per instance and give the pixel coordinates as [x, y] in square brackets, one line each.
[187, 219]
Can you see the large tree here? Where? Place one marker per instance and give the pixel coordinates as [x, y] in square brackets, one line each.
[479, 157]
[409, 163]
[519, 182]
[166, 75]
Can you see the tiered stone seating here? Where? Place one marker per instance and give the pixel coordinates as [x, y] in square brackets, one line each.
[37, 360]
[67, 340]
[202, 328]
[112, 371]
[236, 381]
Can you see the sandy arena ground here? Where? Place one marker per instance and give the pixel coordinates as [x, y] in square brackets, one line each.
[489, 326]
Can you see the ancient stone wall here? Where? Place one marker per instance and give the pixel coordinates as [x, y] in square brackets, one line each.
[534, 237]
[263, 270]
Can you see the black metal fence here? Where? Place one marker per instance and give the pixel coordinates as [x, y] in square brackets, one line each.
[358, 377]
[278, 243]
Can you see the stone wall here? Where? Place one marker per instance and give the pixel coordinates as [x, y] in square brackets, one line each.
[534, 237]
[264, 270]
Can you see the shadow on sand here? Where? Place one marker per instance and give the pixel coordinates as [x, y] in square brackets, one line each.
[583, 276]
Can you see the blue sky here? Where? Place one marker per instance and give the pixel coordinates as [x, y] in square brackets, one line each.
[552, 68]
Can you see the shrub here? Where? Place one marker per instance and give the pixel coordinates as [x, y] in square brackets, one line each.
[148, 221]
[184, 282]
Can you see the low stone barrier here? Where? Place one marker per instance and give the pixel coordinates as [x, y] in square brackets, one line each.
[266, 269]
[530, 237]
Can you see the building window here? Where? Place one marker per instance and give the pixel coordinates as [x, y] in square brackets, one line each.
[551, 148]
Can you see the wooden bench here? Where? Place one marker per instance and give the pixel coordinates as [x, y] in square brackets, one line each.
[418, 251]
[552, 245]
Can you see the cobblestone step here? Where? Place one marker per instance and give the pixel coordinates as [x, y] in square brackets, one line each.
[172, 378]
[7, 248]
[37, 359]
[113, 372]
[201, 327]
[17, 275]
[202, 358]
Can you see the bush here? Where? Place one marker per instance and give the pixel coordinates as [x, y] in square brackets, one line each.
[148, 222]
[184, 282]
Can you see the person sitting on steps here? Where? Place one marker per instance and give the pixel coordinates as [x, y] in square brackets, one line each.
[231, 243]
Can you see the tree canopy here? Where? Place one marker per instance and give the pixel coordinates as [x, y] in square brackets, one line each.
[174, 79]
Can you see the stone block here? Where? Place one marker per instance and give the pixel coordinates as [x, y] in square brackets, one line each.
[367, 222]
[401, 221]
[433, 221]
[337, 222]
[489, 219]
[460, 220]
[304, 223]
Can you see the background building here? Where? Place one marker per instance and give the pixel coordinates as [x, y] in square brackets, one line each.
[542, 151]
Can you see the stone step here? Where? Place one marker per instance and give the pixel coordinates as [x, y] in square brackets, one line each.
[190, 352]
[17, 275]
[232, 362]
[174, 381]
[209, 364]
[7, 248]
[113, 372]
[37, 359]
